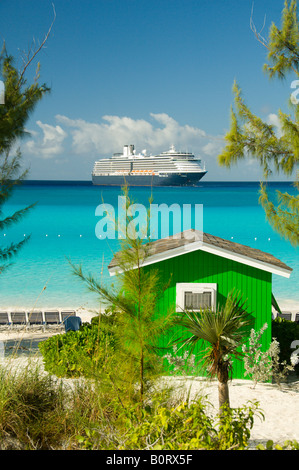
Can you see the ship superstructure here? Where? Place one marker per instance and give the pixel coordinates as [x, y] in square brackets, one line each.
[171, 168]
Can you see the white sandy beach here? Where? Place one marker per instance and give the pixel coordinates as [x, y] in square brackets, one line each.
[280, 406]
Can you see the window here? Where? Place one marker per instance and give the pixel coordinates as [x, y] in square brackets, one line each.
[196, 296]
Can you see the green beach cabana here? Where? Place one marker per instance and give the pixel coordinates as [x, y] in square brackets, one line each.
[203, 269]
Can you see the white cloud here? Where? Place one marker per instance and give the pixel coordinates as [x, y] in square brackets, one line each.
[115, 132]
[273, 119]
[84, 141]
[214, 147]
[49, 144]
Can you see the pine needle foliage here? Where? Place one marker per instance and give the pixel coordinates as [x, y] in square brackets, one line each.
[250, 137]
[134, 299]
[20, 101]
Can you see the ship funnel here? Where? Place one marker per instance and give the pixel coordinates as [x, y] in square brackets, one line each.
[126, 151]
[131, 150]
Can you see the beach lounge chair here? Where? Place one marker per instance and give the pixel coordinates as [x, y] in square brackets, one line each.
[52, 317]
[67, 313]
[285, 315]
[35, 318]
[18, 318]
[4, 319]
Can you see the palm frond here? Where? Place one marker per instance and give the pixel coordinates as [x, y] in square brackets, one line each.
[223, 329]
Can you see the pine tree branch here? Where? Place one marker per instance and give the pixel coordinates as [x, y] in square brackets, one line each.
[15, 217]
[11, 250]
[30, 59]
[258, 34]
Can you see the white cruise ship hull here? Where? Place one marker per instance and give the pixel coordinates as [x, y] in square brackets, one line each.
[190, 179]
[169, 168]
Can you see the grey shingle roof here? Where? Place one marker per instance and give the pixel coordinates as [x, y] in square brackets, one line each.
[165, 245]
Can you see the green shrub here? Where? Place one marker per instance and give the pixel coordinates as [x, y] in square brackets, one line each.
[43, 412]
[285, 332]
[263, 366]
[235, 426]
[31, 407]
[287, 445]
[183, 365]
[178, 427]
[82, 352]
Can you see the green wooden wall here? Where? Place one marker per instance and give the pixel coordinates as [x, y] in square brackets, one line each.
[254, 284]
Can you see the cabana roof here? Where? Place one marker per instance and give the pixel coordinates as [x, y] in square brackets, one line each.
[192, 240]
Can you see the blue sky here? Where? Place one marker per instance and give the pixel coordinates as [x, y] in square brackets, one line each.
[145, 72]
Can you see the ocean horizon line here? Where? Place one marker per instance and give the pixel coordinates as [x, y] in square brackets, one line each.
[31, 182]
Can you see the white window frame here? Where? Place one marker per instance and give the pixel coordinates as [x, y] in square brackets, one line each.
[194, 287]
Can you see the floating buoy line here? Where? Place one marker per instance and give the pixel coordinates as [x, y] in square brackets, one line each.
[46, 235]
[80, 236]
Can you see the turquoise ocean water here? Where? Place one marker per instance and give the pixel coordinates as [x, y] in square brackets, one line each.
[63, 225]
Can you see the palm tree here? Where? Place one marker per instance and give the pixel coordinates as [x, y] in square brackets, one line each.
[223, 329]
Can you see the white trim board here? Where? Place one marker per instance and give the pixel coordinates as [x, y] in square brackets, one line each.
[199, 245]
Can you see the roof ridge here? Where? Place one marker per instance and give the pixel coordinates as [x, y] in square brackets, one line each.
[179, 239]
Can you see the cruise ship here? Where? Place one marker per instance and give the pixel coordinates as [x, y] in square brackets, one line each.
[169, 168]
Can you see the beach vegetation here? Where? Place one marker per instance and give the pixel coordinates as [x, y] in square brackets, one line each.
[81, 353]
[32, 408]
[133, 300]
[287, 333]
[182, 365]
[264, 366]
[223, 332]
[287, 445]
[274, 147]
[38, 411]
[179, 426]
